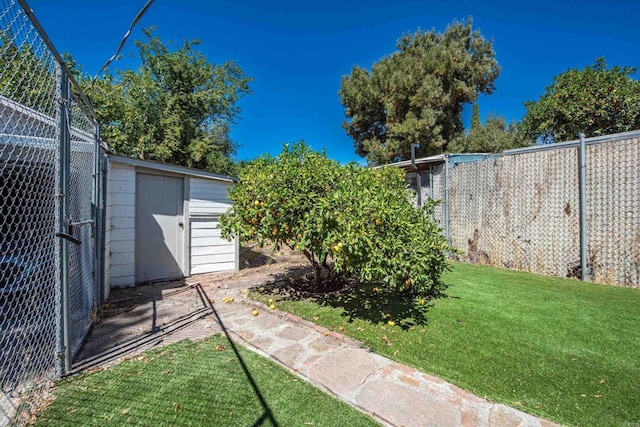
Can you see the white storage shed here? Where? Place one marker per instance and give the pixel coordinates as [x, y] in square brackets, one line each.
[161, 222]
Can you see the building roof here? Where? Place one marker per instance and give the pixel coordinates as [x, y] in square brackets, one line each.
[183, 170]
[423, 163]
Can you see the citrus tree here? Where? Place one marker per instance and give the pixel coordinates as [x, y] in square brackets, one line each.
[596, 100]
[348, 221]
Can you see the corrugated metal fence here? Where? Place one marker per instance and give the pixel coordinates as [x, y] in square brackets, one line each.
[48, 168]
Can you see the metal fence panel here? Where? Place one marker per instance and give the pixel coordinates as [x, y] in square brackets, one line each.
[33, 121]
[82, 284]
[521, 210]
[437, 193]
[432, 185]
[613, 211]
[518, 211]
[29, 250]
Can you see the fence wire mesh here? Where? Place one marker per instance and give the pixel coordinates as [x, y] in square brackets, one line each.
[30, 186]
[81, 199]
[613, 211]
[29, 267]
[432, 183]
[438, 193]
[521, 211]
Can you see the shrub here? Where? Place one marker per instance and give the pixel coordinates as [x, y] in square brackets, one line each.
[348, 221]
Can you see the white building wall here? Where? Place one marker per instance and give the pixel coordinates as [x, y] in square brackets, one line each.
[208, 251]
[120, 227]
[107, 235]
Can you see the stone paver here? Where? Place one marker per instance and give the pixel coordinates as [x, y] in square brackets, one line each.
[394, 394]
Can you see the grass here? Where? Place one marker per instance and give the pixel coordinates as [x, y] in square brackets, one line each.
[194, 384]
[557, 348]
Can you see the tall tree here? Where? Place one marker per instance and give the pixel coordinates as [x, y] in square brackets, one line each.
[176, 107]
[475, 117]
[416, 94]
[494, 136]
[595, 100]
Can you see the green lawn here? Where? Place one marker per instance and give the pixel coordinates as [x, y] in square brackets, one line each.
[557, 348]
[195, 384]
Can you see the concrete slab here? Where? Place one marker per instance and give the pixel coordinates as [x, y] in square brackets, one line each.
[345, 369]
[407, 406]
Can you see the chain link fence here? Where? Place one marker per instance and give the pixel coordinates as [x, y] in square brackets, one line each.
[82, 167]
[432, 186]
[613, 210]
[48, 241]
[521, 210]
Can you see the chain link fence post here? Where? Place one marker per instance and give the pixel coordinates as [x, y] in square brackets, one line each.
[447, 199]
[64, 144]
[582, 180]
[97, 217]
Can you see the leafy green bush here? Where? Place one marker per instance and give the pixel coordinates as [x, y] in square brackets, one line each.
[348, 221]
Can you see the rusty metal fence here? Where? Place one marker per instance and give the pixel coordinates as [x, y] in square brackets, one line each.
[522, 210]
[49, 154]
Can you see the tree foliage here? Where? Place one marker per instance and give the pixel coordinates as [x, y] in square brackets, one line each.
[175, 108]
[494, 136]
[348, 221]
[27, 76]
[416, 94]
[595, 100]
[475, 117]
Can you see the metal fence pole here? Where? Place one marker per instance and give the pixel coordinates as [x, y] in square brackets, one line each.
[583, 207]
[447, 231]
[96, 213]
[430, 181]
[103, 225]
[64, 94]
[417, 172]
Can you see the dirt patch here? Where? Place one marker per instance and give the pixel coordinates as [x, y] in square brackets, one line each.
[253, 256]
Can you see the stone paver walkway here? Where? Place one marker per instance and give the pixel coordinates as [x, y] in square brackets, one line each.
[394, 394]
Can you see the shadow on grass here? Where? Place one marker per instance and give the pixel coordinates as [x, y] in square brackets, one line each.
[374, 304]
[101, 350]
[267, 414]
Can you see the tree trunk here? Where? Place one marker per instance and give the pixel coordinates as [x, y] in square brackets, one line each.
[317, 277]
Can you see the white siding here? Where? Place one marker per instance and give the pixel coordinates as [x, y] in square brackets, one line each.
[107, 237]
[208, 251]
[208, 197]
[120, 228]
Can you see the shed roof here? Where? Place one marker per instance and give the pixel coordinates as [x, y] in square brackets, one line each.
[423, 163]
[150, 164]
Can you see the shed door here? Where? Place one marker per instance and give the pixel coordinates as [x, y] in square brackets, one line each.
[159, 227]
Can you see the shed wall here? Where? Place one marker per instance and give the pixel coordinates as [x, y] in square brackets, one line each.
[208, 251]
[206, 201]
[107, 232]
[120, 225]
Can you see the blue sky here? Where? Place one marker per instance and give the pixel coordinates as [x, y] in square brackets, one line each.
[297, 51]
